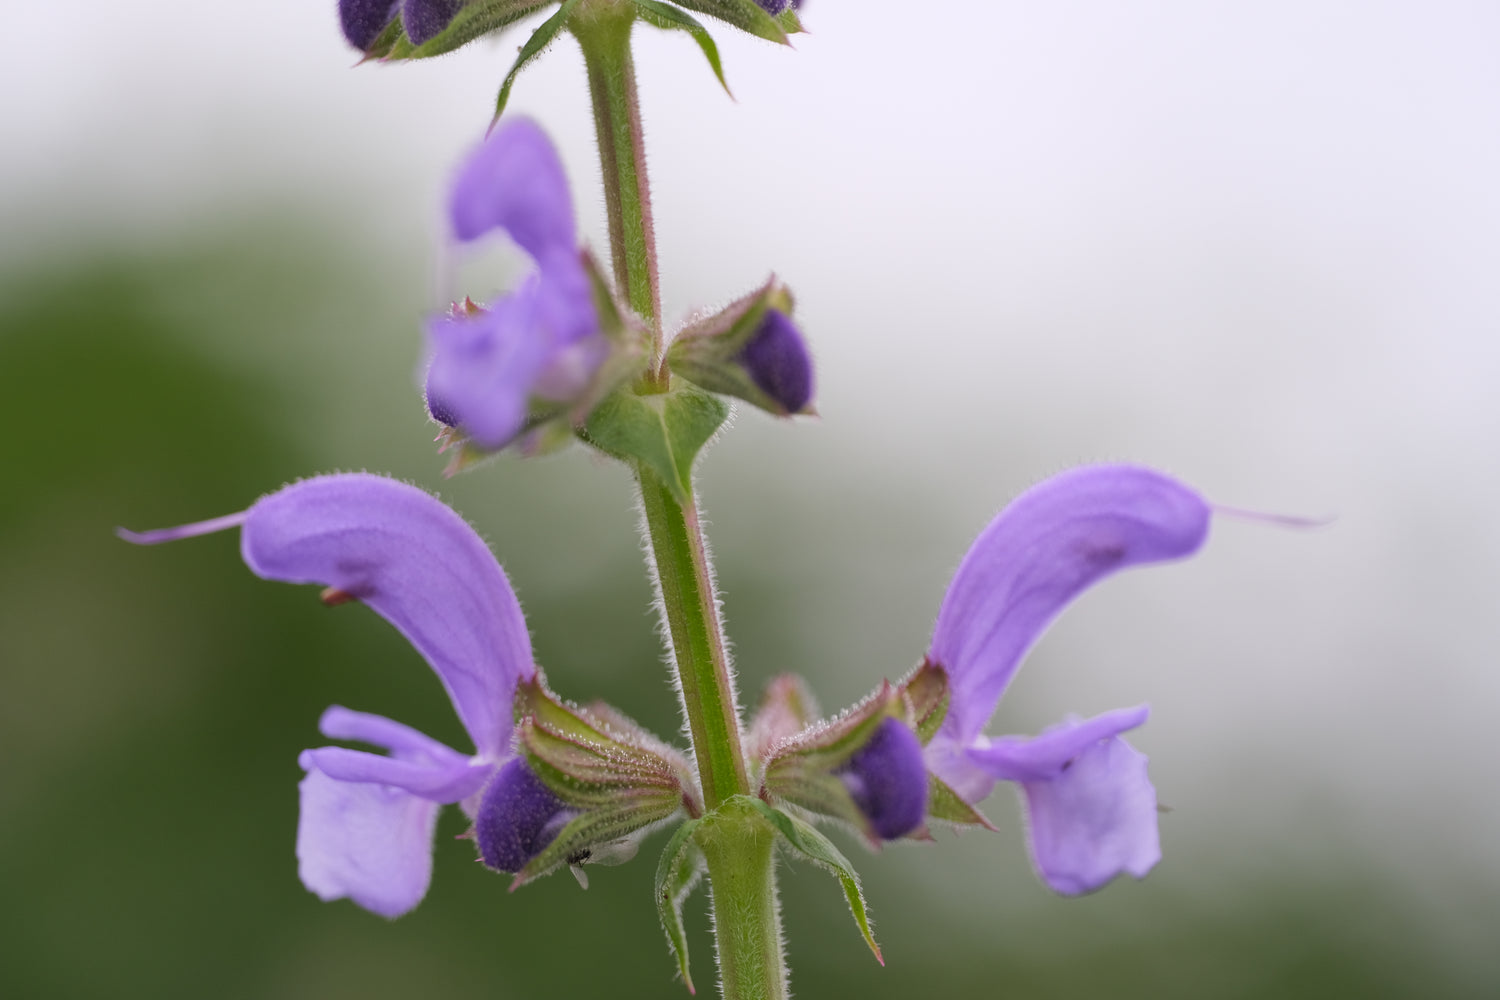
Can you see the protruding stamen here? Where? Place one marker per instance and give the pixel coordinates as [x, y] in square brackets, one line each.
[182, 531]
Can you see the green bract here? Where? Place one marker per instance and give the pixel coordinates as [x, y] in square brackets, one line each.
[479, 18]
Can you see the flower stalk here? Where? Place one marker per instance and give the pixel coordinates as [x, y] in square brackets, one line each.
[603, 33]
[738, 846]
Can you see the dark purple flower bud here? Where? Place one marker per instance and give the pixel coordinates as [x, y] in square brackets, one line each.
[424, 20]
[888, 780]
[774, 7]
[776, 358]
[439, 411]
[364, 20]
[518, 816]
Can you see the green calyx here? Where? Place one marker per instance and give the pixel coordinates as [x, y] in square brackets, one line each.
[479, 18]
[621, 779]
[708, 351]
[802, 769]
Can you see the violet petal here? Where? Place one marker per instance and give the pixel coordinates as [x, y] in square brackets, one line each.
[483, 366]
[421, 567]
[1041, 552]
[340, 723]
[515, 182]
[442, 783]
[1095, 820]
[369, 843]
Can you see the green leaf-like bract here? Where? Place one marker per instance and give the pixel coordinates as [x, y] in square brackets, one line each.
[677, 873]
[664, 432]
[812, 846]
[538, 41]
[743, 14]
[667, 17]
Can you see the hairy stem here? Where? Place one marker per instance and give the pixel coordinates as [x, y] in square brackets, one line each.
[740, 851]
[691, 608]
[605, 40]
[738, 845]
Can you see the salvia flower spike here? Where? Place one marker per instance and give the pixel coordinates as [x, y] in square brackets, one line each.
[1090, 807]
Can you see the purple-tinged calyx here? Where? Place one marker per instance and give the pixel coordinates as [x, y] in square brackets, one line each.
[863, 767]
[612, 781]
[1090, 807]
[750, 349]
[773, 7]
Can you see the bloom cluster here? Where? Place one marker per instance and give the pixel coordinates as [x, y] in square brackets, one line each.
[563, 357]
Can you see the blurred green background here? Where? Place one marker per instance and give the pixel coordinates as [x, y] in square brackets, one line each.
[1254, 248]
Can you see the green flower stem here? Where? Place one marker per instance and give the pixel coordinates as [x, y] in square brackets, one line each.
[603, 32]
[678, 549]
[691, 610]
[737, 843]
[739, 847]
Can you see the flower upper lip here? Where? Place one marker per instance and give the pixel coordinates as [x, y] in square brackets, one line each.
[542, 339]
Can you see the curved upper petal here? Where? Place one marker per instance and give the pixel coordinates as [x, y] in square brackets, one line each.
[1049, 545]
[421, 567]
[515, 182]
[1096, 816]
[369, 843]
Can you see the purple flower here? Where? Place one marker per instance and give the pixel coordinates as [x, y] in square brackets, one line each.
[367, 819]
[1091, 809]
[423, 20]
[543, 340]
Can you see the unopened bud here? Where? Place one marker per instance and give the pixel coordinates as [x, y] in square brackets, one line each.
[752, 350]
[424, 20]
[364, 20]
[776, 358]
[888, 780]
[864, 767]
